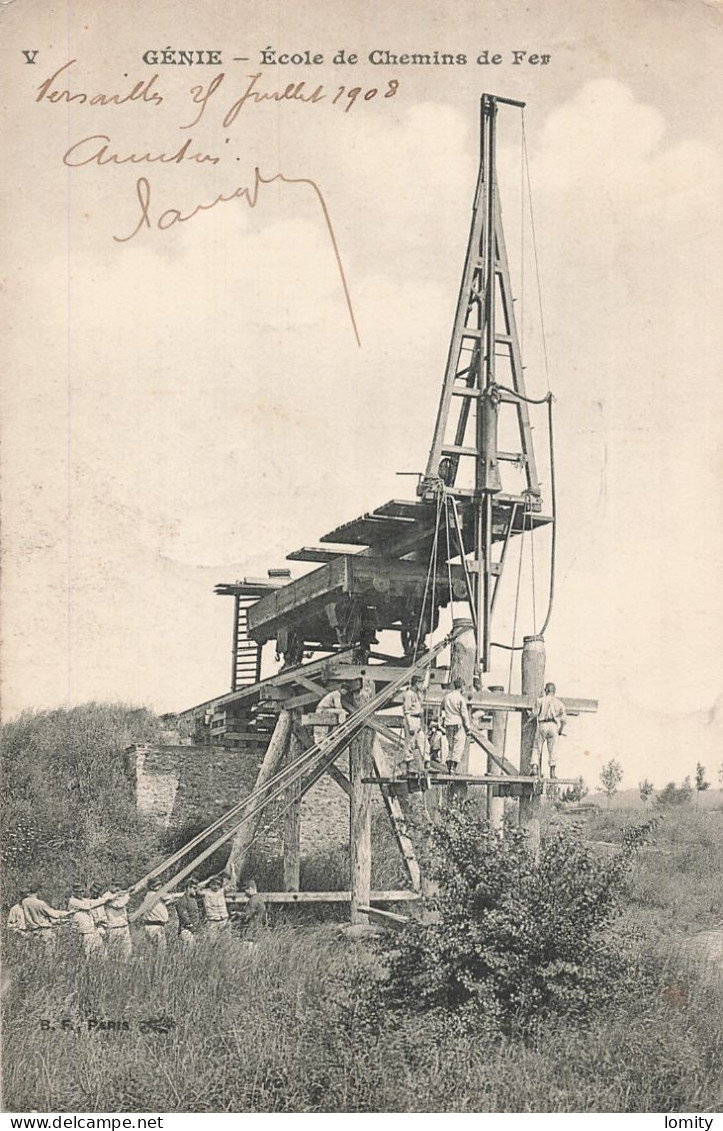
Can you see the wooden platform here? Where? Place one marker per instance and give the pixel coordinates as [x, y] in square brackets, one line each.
[475, 779]
[400, 896]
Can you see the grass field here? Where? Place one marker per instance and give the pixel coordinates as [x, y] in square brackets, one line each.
[284, 1025]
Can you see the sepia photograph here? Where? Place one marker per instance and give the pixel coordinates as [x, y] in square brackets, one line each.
[360, 622]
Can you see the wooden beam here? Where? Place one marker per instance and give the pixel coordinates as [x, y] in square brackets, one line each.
[292, 821]
[396, 818]
[386, 919]
[340, 778]
[273, 759]
[399, 896]
[360, 813]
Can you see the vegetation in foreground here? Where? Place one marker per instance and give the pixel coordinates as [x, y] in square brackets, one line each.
[307, 1020]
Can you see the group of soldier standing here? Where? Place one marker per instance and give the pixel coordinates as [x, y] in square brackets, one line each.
[98, 916]
[445, 737]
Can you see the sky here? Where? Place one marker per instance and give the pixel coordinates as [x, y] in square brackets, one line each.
[189, 405]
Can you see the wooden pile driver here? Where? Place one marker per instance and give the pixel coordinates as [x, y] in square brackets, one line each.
[392, 571]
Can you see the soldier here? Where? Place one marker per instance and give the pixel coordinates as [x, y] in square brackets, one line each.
[551, 721]
[17, 923]
[40, 917]
[330, 702]
[119, 946]
[254, 914]
[415, 739]
[189, 915]
[457, 724]
[214, 903]
[81, 907]
[99, 916]
[153, 913]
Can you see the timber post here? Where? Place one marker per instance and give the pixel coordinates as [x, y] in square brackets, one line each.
[292, 821]
[360, 811]
[273, 760]
[495, 803]
[533, 683]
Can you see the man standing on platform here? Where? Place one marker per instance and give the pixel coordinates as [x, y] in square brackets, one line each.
[456, 724]
[551, 722]
[415, 738]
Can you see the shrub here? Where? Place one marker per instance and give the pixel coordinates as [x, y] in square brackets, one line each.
[673, 795]
[513, 941]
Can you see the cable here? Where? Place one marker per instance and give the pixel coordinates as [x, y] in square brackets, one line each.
[548, 400]
[342, 734]
[534, 246]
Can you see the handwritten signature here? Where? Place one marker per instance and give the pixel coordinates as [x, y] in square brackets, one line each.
[250, 194]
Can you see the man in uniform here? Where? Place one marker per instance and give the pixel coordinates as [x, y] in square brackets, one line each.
[17, 923]
[81, 907]
[189, 915]
[456, 724]
[254, 914]
[119, 946]
[416, 754]
[330, 702]
[551, 721]
[214, 903]
[153, 913]
[40, 917]
[99, 916]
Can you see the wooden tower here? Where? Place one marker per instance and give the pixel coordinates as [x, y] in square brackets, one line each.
[391, 571]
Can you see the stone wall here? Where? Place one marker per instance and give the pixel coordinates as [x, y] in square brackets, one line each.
[184, 787]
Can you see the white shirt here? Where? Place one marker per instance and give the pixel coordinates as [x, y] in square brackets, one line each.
[39, 914]
[81, 909]
[412, 703]
[330, 702]
[456, 713]
[16, 920]
[549, 709]
[116, 910]
[215, 905]
[153, 910]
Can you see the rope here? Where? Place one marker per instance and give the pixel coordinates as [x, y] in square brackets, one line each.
[522, 235]
[431, 572]
[548, 400]
[449, 556]
[534, 246]
[316, 753]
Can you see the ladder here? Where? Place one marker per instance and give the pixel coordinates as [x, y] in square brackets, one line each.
[246, 654]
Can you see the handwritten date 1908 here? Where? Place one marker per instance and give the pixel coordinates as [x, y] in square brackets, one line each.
[298, 92]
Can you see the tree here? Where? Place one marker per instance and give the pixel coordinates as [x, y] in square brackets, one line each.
[645, 789]
[674, 795]
[611, 775]
[700, 782]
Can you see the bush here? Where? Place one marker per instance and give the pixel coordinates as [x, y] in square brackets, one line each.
[69, 803]
[673, 795]
[513, 941]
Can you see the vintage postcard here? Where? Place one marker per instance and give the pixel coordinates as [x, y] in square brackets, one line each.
[361, 520]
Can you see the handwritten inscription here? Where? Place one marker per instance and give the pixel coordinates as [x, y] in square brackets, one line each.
[141, 92]
[150, 218]
[98, 150]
